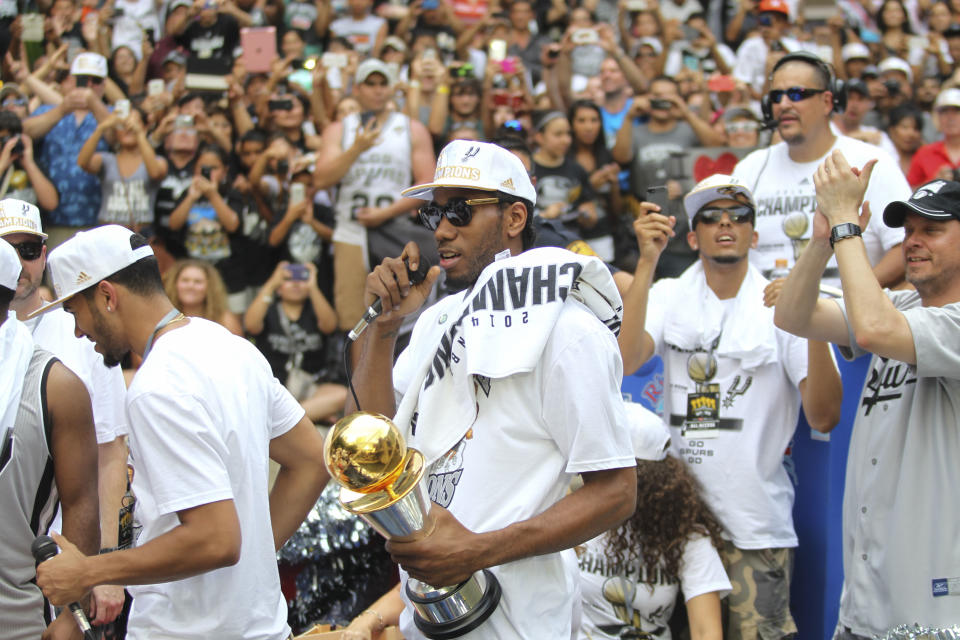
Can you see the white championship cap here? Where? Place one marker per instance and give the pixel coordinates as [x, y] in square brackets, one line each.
[947, 98]
[648, 434]
[477, 165]
[716, 187]
[896, 64]
[371, 66]
[10, 266]
[17, 216]
[89, 64]
[89, 257]
[854, 51]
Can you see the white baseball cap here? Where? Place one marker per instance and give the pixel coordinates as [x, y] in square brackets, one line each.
[89, 64]
[854, 51]
[716, 187]
[896, 64]
[477, 165]
[17, 216]
[371, 66]
[648, 434]
[10, 266]
[947, 98]
[89, 257]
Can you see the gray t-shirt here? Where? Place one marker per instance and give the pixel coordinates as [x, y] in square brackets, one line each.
[651, 154]
[126, 201]
[901, 559]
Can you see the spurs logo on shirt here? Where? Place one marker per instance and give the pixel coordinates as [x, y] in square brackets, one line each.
[445, 475]
[886, 382]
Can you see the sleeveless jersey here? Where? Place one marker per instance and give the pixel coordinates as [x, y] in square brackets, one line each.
[376, 178]
[28, 502]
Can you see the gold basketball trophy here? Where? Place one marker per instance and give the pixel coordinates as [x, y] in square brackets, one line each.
[381, 480]
[794, 226]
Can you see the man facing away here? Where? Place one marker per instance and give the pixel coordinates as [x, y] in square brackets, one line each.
[900, 554]
[205, 414]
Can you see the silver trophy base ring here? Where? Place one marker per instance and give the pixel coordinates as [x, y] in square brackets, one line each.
[460, 626]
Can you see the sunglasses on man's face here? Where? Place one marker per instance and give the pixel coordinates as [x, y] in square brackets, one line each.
[29, 251]
[713, 215]
[458, 211]
[796, 94]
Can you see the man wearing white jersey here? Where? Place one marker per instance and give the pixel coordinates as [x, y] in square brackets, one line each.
[206, 416]
[372, 155]
[735, 385]
[801, 97]
[20, 226]
[901, 560]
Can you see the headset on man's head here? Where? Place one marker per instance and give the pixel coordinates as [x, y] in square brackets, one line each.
[834, 86]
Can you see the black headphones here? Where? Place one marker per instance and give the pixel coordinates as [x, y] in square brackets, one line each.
[834, 86]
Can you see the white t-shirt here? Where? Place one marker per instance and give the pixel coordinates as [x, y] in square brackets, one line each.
[362, 33]
[203, 408]
[782, 187]
[605, 586]
[751, 64]
[901, 560]
[532, 433]
[54, 331]
[741, 470]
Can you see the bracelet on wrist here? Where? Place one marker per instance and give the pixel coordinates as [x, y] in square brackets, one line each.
[443, 90]
[380, 625]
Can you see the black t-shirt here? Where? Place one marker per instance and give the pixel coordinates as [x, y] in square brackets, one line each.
[216, 41]
[567, 183]
[281, 339]
[172, 189]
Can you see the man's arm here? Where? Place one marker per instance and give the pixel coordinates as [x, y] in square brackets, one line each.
[622, 150]
[38, 126]
[452, 553]
[333, 161]
[653, 230]
[74, 452]
[877, 325]
[821, 392]
[302, 477]
[207, 538]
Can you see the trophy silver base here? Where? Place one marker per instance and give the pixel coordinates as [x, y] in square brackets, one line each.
[450, 612]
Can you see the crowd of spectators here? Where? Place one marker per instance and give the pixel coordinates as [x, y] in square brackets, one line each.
[261, 145]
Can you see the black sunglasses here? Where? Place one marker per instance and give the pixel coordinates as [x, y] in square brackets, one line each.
[713, 215]
[796, 94]
[458, 211]
[28, 250]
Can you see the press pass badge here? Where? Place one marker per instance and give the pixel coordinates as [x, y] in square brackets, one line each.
[703, 404]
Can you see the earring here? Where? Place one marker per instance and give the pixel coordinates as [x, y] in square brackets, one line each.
[108, 308]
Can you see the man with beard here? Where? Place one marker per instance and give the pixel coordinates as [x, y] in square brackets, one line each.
[802, 96]
[493, 380]
[206, 415]
[20, 227]
[736, 385]
[900, 556]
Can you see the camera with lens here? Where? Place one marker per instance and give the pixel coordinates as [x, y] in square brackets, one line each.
[892, 86]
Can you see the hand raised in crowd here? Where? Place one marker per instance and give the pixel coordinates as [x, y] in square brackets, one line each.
[608, 173]
[6, 154]
[840, 189]
[549, 53]
[367, 135]
[202, 187]
[281, 67]
[279, 276]
[554, 210]
[607, 39]
[78, 99]
[653, 230]
[27, 149]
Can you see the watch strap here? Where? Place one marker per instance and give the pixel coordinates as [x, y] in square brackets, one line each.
[843, 231]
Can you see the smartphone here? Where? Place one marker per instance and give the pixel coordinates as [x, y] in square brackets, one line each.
[366, 118]
[155, 87]
[331, 60]
[298, 192]
[498, 50]
[83, 81]
[298, 272]
[508, 65]
[584, 36]
[280, 105]
[658, 196]
[151, 35]
[206, 172]
[183, 122]
[429, 54]
[122, 109]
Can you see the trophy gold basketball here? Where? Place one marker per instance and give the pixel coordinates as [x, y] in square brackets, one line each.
[382, 481]
[794, 226]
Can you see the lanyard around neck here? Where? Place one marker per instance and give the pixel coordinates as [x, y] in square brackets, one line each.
[172, 316]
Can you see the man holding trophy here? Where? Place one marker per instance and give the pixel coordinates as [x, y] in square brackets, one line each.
[509, 387]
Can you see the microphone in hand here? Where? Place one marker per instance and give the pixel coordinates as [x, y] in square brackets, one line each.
[44, 548]
[374, 310]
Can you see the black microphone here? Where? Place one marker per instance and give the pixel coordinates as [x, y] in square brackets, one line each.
[44, 548]
[769, 125]
[375, 309]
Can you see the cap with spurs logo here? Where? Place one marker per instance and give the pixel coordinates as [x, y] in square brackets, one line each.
[466, 164]
[936, 200]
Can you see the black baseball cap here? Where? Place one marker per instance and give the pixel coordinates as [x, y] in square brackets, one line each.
[936, 200]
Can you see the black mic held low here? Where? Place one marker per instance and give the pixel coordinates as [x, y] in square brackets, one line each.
[375, 309]
[44, 548]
